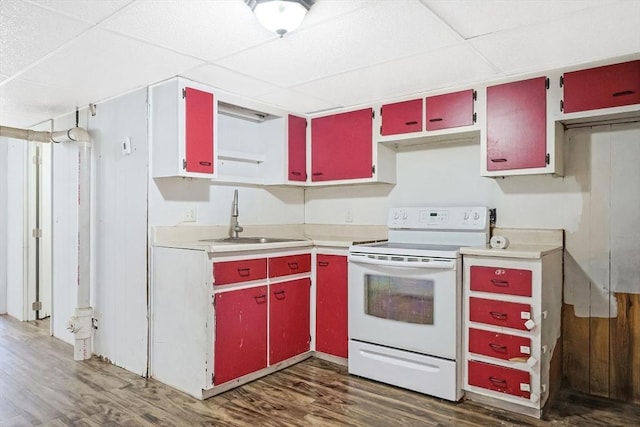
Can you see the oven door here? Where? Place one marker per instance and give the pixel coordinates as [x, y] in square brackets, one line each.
[408, 303]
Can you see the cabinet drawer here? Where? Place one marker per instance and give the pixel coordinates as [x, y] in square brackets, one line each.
[401, 117]
[228, 272]
[498, 378]
[499, 313]
[509, 281]
[501, 346]
[602, 87]
[450, 110]
[290, 264]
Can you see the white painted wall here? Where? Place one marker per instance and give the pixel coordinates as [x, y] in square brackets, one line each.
[3, 223]
[580, 203]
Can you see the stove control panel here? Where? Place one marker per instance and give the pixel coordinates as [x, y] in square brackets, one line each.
[440, 218]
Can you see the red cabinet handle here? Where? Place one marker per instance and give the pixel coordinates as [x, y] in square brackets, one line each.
[323, 263]
[498, 382]
[279, 294]
[623, 93]
[205, 163]
[498, 315]
[260, 299]
[498, 347]
[244, 272]
[498, 160]
[293, 266]
[501, 283]
[437, 119]
[296, 173]
[317, 173]
[411, 123]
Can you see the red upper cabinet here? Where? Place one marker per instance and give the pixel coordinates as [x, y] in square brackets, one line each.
[602, 87]
[297, 127]
[331, 305]
[198, 131]
[517, 125]
[401, 117]
[289, 311]
[342, 146]
[450, 110]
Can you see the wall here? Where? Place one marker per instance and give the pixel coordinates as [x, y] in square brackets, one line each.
[3, 224]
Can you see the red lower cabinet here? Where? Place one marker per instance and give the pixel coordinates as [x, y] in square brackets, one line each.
[289, 319]
[240, 345]
[331, 305]
[501, 346]
[499, 313]
[498, 378]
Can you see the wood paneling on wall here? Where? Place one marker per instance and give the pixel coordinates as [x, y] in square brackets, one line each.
[602, 355]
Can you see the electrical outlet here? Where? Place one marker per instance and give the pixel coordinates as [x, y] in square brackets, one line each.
[348, 215]
[189, 215]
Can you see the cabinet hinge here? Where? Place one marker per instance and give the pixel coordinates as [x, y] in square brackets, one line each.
[546, 82]
[184, 93]
[373, 169]
[184, 164]
[36, 233]
[380, 112]
[547, 158]
[380, 129]
[475, 95]
[213, 378]
[475, 117]
[561, 80]
[561, 105]
[373, 114]
[36, 306]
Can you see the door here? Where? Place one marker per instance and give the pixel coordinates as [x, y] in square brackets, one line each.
[297, 148]
[199, 122]
[331, 305]
[400, 305]
[450, 110]
[401, 117]
[289, 311]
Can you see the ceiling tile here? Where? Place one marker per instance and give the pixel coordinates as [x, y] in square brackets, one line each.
[28, 32]
[475, 18]
[447, 67]
[229, 81]
[614, 31]
[92, 11]
[383, 31]
[204, 29]
[294, 101]
[122, 65]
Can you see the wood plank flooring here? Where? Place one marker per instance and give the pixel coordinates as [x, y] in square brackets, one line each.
[40, 384]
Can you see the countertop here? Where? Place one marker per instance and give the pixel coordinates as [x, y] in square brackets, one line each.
[523, 243]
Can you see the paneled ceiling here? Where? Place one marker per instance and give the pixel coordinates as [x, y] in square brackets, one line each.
[56, 55]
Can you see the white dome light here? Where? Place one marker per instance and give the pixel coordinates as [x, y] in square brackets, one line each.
[280, 16]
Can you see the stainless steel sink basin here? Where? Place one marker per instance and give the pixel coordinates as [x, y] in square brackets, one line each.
[251, 240]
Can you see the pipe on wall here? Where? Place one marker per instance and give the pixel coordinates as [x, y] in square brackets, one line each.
[79, 324]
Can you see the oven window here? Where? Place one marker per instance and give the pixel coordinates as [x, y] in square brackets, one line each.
[398, 298]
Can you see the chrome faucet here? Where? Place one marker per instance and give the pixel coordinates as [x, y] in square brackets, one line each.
[234, 216]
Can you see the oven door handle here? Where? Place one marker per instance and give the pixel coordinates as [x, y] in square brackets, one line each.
[431, 264]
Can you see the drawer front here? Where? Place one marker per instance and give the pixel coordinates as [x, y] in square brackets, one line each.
[498, 378]
[501, 346]
[602, 87]
[290, 264]
[450, 110]
[228, 272]
[401, 117]
[508, 281]
[499, 313]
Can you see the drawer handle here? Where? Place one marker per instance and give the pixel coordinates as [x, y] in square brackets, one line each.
[501, 283]
[205, 163]
[411, 123]
[323, 263]
[498, 382]
[498, 160]
[623, 93]
[498, 347]
[279, 294]
[244, 272]
[498, 315]
[293, 266]
[260, 299]
[437, 119]
[317, 173]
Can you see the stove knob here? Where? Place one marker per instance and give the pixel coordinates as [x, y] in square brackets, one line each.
[466, 216]
[396, 215]
[476, 215]
[405, 215]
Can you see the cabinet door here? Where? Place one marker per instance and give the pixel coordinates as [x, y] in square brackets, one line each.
[240, 342]
[501, 346]
[401, 117]
[245, 270]
[498, 378]
[290, 264]
[297, 148]
[499, 313]
[342, 146]
[517, 125]
[450, 110]
[331, 305]
[289, 333]
[509, 281]
[198, 131]
[602, 87]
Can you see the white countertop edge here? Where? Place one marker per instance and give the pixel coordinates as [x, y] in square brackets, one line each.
[513, 251]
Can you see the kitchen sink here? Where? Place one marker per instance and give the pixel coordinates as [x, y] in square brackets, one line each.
[252, 240]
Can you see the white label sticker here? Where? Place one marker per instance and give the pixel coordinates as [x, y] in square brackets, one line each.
[525, 349]
[525, 387]
[529, 324]
[525, 315]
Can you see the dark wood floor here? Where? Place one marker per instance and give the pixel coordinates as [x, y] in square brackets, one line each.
[40, 384]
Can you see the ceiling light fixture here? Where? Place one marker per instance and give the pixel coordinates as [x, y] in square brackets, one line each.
[280, 16]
